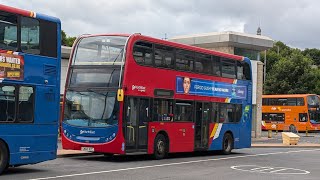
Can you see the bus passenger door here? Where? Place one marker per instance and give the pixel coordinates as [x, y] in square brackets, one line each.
[201, 125]
[136, 123]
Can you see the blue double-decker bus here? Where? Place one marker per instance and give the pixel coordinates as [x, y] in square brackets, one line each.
[30, 48]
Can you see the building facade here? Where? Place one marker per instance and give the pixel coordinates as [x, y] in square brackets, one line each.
[242, 44]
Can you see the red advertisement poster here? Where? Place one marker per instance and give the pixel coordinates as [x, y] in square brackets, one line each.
[11, 66]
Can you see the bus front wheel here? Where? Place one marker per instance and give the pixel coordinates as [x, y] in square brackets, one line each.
[4, 157]
[227, 144]
[160, 147]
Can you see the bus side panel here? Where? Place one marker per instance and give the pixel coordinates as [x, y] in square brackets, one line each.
[46, 110]
[35, 143]
[216, 135]
[245, 129]
[180, 134]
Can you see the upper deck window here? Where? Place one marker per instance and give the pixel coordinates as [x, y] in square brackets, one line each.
[100, 77]
[203, 64]
[8, 31]
[283, 101]
[100, 50]
[184, 60]
[162, 56]
[243, 71]
[28, 35]
[313, 101]
[143, 53]
[228, 68]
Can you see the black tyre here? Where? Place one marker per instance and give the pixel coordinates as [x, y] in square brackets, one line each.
[160, 147]
[4, 157]
[227, 144]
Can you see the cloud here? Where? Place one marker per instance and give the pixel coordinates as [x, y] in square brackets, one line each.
[290, 21]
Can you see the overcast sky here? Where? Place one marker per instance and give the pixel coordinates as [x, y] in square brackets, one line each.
[295, 22]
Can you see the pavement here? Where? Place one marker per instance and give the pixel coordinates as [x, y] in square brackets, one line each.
[312, 140]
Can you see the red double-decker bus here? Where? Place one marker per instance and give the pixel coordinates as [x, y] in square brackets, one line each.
[134, 93]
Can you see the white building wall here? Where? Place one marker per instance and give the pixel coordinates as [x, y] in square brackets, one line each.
[64, 68]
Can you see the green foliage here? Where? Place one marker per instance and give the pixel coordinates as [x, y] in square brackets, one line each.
[314, 54]
[290, 71]
[66, 40]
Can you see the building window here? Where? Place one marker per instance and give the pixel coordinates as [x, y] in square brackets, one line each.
[251, 54]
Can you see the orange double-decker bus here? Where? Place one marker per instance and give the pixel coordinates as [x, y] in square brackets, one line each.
[291, 112]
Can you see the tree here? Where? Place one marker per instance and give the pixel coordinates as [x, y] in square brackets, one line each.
[314, 54]
[66, 40]
[291, 75]
[275, 53]
[316, 81]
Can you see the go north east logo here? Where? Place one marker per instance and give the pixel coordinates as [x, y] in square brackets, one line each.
[139, 88]
[87, 132]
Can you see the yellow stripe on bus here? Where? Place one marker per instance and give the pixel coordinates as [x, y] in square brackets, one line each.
[214, 130]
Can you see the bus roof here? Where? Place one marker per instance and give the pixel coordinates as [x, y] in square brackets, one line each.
[287, 95]
[138, 36]
[28, 13]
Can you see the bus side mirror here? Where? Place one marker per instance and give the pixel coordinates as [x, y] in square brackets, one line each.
[120, 95]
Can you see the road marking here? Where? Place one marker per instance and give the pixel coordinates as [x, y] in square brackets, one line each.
[261, 168]
[171, 164]
[271, 170]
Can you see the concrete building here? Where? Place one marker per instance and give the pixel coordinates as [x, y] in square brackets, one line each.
[243, 44]
[65, 54]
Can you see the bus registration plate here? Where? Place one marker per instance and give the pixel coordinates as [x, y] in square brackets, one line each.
[87, 149]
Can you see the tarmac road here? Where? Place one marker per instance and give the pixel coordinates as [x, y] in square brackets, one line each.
[254, 163]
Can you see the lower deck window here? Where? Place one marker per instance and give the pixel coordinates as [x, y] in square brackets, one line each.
[183, 111]
[230, 113]
[16, 104]
[278, 117]
[163, 110]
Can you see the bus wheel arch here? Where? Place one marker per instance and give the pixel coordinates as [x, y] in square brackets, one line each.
[4, 156]
[227, 143]
[161, 145]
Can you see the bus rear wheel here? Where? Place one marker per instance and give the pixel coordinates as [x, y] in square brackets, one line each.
[160, 147]
[4, 157]
[227, 144]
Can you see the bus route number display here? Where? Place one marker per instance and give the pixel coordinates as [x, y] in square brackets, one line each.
[11, 66]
